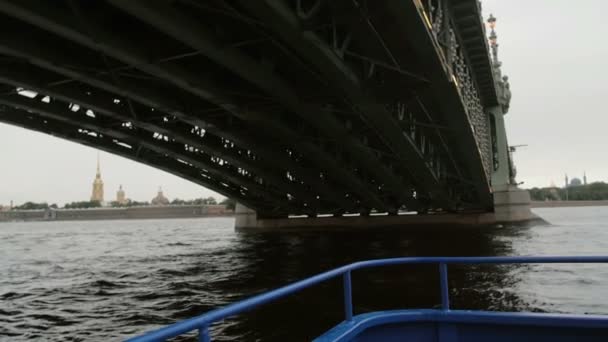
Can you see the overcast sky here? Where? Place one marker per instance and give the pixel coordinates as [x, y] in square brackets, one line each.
[555, 55]
[552, 50]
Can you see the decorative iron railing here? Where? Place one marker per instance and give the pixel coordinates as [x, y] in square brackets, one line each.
[447, 38]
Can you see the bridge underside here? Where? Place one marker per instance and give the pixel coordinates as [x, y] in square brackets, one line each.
[289, 107]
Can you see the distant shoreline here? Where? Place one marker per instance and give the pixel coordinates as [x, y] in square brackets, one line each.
[149, 212]
[564, 204]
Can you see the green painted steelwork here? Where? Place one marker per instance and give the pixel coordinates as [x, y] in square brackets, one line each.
[289, 107]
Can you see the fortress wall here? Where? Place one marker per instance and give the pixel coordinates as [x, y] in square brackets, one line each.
[165, 212]
[90, 214]
[150, 212]
[22, 215]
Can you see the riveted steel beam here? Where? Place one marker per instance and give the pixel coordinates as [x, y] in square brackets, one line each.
[60, 112]
[173, 22]
[409, 21]
[102, 104]
[71, 132]
[285, 23]
[52, 19]
[185, 109]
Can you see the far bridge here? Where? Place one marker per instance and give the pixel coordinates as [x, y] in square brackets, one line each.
[290, 107]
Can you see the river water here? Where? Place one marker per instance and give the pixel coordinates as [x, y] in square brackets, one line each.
[106, 280]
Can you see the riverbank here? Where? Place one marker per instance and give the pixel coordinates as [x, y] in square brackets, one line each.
[562, 204]
[136, 213]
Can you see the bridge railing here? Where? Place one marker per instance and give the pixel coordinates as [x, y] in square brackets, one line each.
[203, 322]
[446, 35]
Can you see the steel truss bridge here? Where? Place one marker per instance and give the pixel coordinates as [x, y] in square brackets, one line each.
[291, 107]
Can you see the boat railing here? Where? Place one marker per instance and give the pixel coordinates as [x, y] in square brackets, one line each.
[203, 322]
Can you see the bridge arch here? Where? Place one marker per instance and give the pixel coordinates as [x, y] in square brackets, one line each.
[305, 107]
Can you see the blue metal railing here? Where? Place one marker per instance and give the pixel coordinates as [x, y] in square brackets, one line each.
[203, 322]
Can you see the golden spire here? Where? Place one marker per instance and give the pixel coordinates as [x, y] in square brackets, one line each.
[98, 168]
[97, 194]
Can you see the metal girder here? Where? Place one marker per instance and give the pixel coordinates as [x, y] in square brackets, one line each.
[318, 160]
[370, 40]
[141, 93]
[71, 132]
[410, 22]
[193, 33]
[285, 23]
[345, 176]
[474, 29]
[439, 136]
[58, 112]
[100, 104]
[49, 18]
[39, 55]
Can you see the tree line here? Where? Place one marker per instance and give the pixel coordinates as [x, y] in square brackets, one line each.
[229, 203]
[597, 191]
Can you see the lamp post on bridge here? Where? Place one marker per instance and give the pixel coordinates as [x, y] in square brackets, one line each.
[502, 82]
[510, 202]
[493, 38]
[504, 171]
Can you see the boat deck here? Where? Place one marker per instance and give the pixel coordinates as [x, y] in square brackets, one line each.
[470, 326]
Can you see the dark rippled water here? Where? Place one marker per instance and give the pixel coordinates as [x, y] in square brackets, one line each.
[106, 280]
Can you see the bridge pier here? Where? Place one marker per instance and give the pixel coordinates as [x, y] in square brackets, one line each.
[511, 206]
[244, 217]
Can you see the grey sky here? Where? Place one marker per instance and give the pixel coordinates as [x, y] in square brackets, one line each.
[38, 167]
[555, 54]
[552, 50]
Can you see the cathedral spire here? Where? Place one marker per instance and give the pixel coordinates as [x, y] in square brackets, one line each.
[98, 168]
[584, 177]
[97, 193]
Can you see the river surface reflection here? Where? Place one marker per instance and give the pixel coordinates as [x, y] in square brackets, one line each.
[100, 280]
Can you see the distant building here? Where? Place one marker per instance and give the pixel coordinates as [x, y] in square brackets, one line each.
[120, 196]
[160, 199]
[553, 193]
[97, 194]
[215, 209]
[576, 182]
[585, 178]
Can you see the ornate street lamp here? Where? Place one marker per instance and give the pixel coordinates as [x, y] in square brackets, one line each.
[493, 38]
